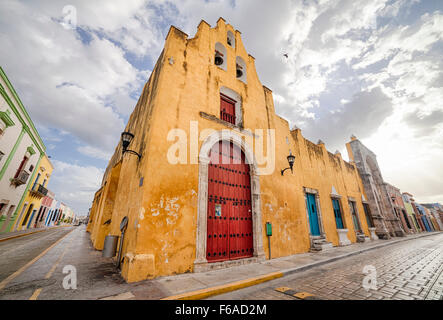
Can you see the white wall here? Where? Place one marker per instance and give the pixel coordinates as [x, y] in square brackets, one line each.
[8, 139]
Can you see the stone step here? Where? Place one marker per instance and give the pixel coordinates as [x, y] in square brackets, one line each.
[320, 245]
[362, 238]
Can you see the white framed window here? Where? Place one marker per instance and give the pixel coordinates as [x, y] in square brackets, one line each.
[238, 104]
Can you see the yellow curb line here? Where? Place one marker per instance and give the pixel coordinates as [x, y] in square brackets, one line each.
[19, 271]
[29, 233]
[22, 235]
[205, 293]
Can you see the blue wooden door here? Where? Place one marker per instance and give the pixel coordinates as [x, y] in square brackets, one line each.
[425, 220]
[313, 216]
[30, 219]
[337, 214]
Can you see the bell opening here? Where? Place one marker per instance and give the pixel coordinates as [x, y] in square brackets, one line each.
[218, 60]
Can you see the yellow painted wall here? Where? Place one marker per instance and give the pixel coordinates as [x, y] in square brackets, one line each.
[162, 210]
[45, 169]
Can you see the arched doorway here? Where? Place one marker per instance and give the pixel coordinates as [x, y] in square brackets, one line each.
[229, 224]
[201, 262]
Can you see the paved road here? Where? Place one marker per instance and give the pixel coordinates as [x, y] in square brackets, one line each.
[407, 270]
[43, 280]
[16, 253]
[410, 270]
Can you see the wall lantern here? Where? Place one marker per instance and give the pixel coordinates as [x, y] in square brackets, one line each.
[291, 160]
[126, 140]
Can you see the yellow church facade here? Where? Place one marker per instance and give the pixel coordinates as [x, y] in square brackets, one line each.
[201, 176]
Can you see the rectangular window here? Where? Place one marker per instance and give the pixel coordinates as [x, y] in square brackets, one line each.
[39, 213]
[227, 109]
[405, 215]
[27, 215]
[43, 214]
[337, 214]
[353, 207]
[368, 215]
[35, 182]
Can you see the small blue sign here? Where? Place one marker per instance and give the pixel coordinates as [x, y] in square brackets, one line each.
[218, 212]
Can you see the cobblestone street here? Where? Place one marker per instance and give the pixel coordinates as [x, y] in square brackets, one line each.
[410, 270]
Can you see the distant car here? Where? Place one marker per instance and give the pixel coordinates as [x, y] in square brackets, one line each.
[76, 224]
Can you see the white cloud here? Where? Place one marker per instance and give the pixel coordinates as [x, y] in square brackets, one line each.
[67, 79]
[75, 185]
[94, 153]
[386, 42]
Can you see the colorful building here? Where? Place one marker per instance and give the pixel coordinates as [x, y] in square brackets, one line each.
[407, 201]
[423, 216]
[400, 209]
[204, 178]
[50, 212]
[436, 210]
[44, 210]
[53, 213]
[433, 222]
[31, 205]
[25, 169]
[21, 152]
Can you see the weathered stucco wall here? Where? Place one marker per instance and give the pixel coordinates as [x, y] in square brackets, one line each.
[161, 199]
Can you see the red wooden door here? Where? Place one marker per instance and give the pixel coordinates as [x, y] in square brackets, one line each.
[229, 233]
[227, 109]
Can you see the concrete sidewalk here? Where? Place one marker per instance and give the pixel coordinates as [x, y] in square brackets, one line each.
[202, 285]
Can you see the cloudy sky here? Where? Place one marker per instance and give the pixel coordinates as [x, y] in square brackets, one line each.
[369, 68]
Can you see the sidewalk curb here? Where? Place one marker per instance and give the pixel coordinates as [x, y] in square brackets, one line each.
[233, 286]
[29, 233]
[224, 288]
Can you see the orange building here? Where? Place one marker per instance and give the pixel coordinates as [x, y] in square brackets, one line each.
[198, 174]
